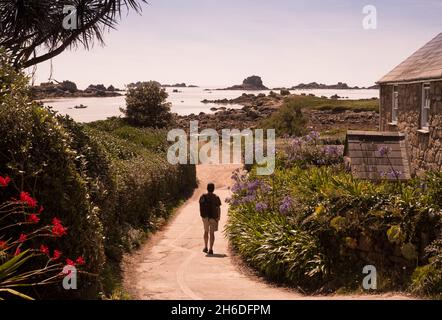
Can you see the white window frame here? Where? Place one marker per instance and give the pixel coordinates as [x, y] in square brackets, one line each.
[395, 105]
[425, 107]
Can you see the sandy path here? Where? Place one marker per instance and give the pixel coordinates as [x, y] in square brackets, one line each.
[172, 266]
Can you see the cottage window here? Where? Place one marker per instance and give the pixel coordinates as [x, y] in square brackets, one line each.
[425, 112]
[395, 107]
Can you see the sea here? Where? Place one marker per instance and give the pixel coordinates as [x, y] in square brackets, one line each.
[184, 102]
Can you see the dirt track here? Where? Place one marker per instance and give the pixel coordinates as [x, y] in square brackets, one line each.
[172, 266]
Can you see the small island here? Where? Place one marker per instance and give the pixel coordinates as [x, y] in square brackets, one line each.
[253, 83]
[68, 89]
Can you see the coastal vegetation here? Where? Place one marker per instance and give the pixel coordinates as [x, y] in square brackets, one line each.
[101, 186]
[146, 106]
[313, 226]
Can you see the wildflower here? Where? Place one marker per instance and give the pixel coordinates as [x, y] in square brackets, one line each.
[261, 207]
[57, 228]
[384, 151]
[17, 251]
[44, 249]
[2, 244]
[80, 261]
[286, 205]
[40, 210]
[69, 262]
[57, 255]
[4, 181]
[33, 218]
[247, 199]
[26, 198]
[22, 238]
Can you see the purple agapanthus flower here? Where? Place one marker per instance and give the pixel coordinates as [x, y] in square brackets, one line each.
[261, 207]
[286, 205]
[384, 151]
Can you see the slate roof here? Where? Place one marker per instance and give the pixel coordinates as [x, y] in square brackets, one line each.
[363, 152]
[424, 64]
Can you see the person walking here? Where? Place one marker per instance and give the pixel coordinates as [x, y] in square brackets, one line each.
[210, 211]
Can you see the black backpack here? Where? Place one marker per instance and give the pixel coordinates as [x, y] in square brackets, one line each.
[208, 206]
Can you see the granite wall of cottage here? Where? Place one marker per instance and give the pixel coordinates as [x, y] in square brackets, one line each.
[424, 148]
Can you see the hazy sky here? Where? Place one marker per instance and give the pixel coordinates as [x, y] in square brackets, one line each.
[219, 43]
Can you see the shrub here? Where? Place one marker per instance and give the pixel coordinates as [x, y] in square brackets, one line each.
[37, 150]
[143, 178]
[334, 225]
[146, 106]
[309, 150]
[288, 120]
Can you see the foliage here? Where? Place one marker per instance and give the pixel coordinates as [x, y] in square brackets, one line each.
[107, 181]
[37, 150]
[288, 120]
[26, 259]
[146, 106]
[427, 279]
[349, 224]
[309, 150]
[29, 28]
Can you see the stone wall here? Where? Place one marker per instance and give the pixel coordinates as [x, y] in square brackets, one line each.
[424, 149]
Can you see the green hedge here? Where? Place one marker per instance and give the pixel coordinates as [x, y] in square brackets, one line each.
[104, 180]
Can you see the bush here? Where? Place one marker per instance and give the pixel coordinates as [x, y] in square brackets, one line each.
[37, 150]
[325, 226]
[146, 106]
[147, 186]
[288, 120]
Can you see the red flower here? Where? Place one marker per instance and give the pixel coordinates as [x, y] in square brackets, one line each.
[2, 244]
[58, 230]
[40, 210]
[33, 218]
[17, 251]
[57, 255]
[26, 198]
[80, 261]
[69, 262]
[22, 238]
[44, 249]
[4, 181]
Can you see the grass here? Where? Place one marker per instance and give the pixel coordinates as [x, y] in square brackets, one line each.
[324, 104]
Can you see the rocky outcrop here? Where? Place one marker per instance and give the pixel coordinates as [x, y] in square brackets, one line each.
[68, 89]
[250, 100]
[338, 86]
[250, 83]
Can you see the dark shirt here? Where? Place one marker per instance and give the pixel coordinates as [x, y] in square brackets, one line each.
[209, 206]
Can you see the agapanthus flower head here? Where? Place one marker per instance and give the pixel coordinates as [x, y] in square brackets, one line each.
[4, 181]
[261, 207]
[26, 198]
[384, 151]
[392, 174]
[286, 205]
